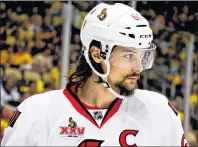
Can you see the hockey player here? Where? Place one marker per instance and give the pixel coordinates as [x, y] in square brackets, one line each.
[100, 105]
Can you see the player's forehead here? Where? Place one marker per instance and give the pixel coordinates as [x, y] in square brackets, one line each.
[122, 49]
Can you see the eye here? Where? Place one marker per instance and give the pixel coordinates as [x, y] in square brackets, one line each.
[129, 56]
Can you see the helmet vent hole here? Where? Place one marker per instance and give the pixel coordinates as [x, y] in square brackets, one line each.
[132, 35]
[140, 43]
[141, 25]
[127, 28]
[122, 33]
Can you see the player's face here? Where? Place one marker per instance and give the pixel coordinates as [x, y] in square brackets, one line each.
[125, 69]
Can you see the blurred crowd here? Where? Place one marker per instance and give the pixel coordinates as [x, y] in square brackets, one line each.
[31, 47]
[30, 51]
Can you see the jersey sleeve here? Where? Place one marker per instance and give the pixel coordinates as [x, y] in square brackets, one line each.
[25, 126]
[175, 133]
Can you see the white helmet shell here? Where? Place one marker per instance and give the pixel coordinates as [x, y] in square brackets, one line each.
[111, 25]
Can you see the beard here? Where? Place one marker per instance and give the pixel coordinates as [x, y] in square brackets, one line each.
[124, 90]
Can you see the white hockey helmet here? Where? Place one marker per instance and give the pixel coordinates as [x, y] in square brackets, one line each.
[117, 24]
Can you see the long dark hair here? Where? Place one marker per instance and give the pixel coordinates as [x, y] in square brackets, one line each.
[83, 70]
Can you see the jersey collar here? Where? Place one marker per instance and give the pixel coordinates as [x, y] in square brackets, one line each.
[70, 94]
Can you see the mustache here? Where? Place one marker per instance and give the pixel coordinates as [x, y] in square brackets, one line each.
[134, 74]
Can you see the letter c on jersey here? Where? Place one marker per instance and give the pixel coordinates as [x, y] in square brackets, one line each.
[123, 136]
[91, 143]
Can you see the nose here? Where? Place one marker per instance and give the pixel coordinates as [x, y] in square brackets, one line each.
[138, 66]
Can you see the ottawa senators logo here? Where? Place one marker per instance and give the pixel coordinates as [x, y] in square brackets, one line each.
[72, 130]
[103, 14]
[72, 123]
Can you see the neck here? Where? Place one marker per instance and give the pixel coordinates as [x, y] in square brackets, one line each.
[94, 94]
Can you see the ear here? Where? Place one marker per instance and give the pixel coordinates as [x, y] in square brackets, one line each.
[95, 54]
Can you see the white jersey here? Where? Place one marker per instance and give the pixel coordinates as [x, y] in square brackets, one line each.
[58, 118]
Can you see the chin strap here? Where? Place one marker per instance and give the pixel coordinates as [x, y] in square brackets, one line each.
[107, 85]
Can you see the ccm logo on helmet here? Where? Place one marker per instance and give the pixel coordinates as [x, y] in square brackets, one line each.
[145, 36]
